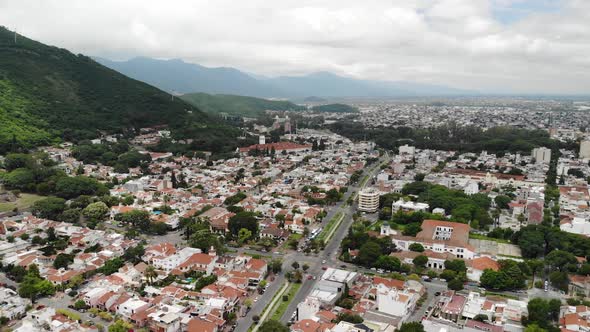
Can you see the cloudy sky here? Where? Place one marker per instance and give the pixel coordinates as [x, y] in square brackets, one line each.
[499, 46]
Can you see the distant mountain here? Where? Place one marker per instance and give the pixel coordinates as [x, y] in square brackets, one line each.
[238, 105]
[180, 77]
[48, 94]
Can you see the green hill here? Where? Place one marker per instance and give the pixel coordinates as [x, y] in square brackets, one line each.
[48, 94]
[335, 108]
[238, 105]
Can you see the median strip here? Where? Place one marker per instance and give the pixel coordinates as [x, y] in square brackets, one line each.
[271, 305]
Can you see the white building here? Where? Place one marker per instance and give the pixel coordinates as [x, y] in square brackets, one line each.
[577, 226]
[308, 308]
[542, 155]
[394, 302]
[409, 206]
[584, 149]
[131, 307]
[168, 263]
[406, 149]
[12, 305]
[368, 200]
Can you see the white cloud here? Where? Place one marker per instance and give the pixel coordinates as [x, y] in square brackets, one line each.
[454, 42]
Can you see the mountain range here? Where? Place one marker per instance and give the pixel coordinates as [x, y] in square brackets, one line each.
[178, 76]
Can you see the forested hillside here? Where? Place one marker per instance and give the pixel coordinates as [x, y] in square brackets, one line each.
[238, 105]
[48, 94]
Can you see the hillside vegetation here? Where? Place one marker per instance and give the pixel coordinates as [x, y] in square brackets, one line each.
[48, 94]
[238, 105]
[335, 108]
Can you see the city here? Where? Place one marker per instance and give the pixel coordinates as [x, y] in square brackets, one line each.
[397, 166]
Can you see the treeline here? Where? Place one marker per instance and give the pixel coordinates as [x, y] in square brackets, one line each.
[37, 174]
[464, 208]
[119, 155]
[498, 140]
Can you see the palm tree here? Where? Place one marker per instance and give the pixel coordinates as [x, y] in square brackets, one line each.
[150, 274]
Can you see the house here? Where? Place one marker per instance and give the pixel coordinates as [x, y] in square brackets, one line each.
[201, 325]
[440, 237]
[477, 266]
[12, 306]
[131, 307]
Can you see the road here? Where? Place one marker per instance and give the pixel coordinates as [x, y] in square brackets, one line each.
[330, 254]
[331, 250]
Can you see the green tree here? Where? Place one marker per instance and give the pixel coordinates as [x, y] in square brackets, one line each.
[245, 220]
[417, 247]
[49, 207]
[538, 312]
[244, 235]
[411, 327]
[273, 326]
[120, 326]
[388, 263]
[420, 261]
[455, 284]
[96, 211]
[62, 261]
[502, 201]
[140, 219]
[369, 253]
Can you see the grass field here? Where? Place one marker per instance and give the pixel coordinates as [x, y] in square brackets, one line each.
[23, 202]
[483, 237]
[282, 307]
[334, 222]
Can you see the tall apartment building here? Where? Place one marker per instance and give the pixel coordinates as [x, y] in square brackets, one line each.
[368, 200]
[542, 155]
[585, 149]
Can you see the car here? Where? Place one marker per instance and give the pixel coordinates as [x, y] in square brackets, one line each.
[343, 266]
[256, 299]
[314, 277]
[309, 277]
[324, 268]
[437, 294]
[324, 261]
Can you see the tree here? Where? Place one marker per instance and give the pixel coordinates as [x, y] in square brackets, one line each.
[62, 261]
[243, 235]
[412, 229]
[140, 219]
[531, 242]
[273, 326]
[420, 261]
[369, 253]
[417, 247]
[120, 326]
[295, 265]
[150, 274]
[51, 237]
[538, 312]
[71, 216]
[502, 201]
[96, 211]
[33, 285]
[245, 220]
[49, 207]
[411, 327]
[275, 265]
[534, 328]
[455, 284]
[388, 263]
[80, 304]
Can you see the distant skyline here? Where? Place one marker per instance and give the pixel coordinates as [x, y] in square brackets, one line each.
[493, 46]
